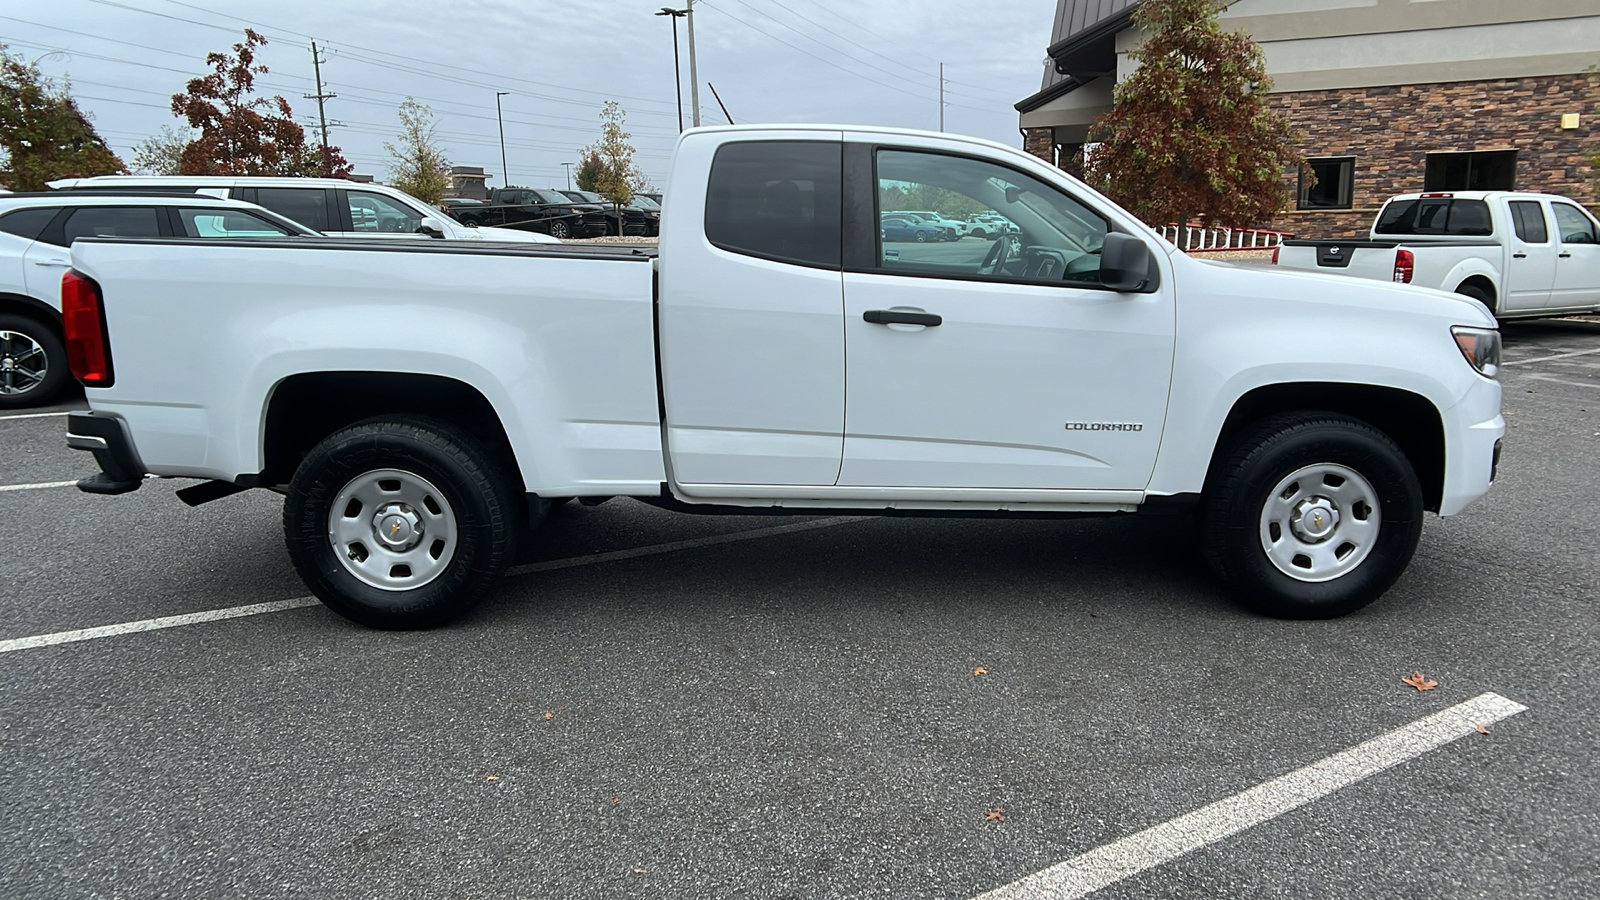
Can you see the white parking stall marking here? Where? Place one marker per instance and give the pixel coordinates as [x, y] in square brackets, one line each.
[256, 609]
[1554, 380]
[32, 416]
[36, 487]
[1083, 875]
[1529, 362]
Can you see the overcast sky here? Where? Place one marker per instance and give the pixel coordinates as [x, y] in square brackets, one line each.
[847, 61]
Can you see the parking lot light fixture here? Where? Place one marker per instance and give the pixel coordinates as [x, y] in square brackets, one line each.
[505, 172]
[677, 77]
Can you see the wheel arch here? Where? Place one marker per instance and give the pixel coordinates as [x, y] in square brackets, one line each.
[1409, 419]
[305, 408]
[32, 307]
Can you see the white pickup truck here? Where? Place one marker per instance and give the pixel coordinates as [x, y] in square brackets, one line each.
[1521, 255]
[421, 403]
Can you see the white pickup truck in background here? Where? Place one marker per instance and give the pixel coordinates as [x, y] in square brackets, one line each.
[421, 403]
[1521, 255]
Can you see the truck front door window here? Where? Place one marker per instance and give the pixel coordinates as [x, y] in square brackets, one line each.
[1059, 242]
[1576, 228]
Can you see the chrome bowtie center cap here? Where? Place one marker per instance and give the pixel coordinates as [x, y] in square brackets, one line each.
[1314, 519]
[397, 527]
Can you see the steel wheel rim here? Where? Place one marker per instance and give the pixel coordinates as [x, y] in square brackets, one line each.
[1320, 522]
[392, 530]
[23, 363]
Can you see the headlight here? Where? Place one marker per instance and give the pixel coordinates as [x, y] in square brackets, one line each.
[1481, 347]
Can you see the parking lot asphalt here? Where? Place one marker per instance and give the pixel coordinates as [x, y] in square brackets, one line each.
[760, 707]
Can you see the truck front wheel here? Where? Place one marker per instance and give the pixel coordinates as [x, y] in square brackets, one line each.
[560, 231]
[1312, 516]
[400, 522]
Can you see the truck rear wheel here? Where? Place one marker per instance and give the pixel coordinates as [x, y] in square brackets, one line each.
[1312, 516]
[400, 522]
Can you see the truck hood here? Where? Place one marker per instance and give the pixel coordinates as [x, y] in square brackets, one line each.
[1302, 287]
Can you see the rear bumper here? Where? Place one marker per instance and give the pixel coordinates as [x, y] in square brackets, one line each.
[106, 436]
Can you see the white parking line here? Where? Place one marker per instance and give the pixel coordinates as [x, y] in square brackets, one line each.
[1555, 380]
[32, 416]
[1529, 362]
[256, 609]
[1106, 865]
[34, 487]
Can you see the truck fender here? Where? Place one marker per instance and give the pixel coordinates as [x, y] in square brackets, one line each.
[1474, 268]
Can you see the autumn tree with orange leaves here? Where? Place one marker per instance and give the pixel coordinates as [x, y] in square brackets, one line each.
[243, 134]
[1191, 136]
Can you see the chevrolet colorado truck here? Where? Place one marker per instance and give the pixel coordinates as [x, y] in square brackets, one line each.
[420, 404]
[1521, 255]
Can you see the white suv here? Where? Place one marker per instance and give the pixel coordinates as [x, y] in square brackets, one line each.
[36, 232]
[333, 206]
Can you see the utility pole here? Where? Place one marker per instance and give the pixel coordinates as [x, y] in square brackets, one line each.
[719, 102]
[505, 171]
[677, 77]
[694, 73]
[320, 96]
[941, 96]
[568, 167]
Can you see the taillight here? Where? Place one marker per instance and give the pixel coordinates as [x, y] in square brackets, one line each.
[1405, 266]
[1275, 254]
[83, 318]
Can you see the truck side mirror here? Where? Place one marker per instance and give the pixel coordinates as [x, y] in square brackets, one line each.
[431, 227]
[1124, 262]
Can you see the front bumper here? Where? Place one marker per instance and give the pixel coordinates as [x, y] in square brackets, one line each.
[106, 436]
[1474, 436]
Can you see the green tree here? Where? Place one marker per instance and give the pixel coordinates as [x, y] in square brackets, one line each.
[1191, 135]
[589, 170]
[242, 134]
[161, 154]
[43, 133]
[417, 166]
[618, 179]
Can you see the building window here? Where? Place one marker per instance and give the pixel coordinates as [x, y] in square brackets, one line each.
[1488, 170]
[1325, 183]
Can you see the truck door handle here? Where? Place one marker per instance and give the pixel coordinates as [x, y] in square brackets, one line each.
[1566, 255]
[900, 317]
[54, 263]
[1519, 256]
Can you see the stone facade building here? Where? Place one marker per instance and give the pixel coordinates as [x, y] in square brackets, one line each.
[1391, 95]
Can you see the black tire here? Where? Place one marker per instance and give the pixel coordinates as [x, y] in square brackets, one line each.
[24, 341]
[560, 231]
[1236, 520]
[1479, 294]
[477, 494]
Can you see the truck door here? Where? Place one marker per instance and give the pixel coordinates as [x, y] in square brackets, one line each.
[1577, 281]
[999, 362]
[751, 315]
[1531, 263]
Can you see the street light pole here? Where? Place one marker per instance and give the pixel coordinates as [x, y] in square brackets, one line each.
[569, 174]
[677, 76]
[505, 172]
[694, 73]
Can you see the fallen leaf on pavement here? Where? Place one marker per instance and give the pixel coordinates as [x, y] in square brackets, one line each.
[980, 671]
[995, 815]
[491, 778]
[1420, 681]
[1482, 728]
[615, 799]
[549, 715]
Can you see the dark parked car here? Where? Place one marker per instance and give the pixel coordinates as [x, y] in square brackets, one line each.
[652, 214]
[631, 221]
[896, 228]
[530, 209]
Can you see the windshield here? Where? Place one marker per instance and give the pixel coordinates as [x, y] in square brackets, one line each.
[551, 197]
[645, 203]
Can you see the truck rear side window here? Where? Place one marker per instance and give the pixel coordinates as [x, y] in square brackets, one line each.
[1437, 215]
[28, 223]
[112, 221]
[778, 200]
[1528, 217]
[308, 206]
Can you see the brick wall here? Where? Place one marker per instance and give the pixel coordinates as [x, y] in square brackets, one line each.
[1040, 142]
[1391, 130]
